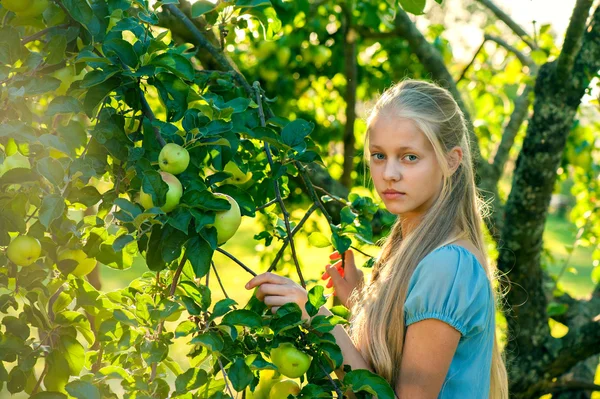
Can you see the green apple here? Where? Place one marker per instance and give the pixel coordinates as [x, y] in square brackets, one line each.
[227, 222]
[16, 160]
[284, 388]
[16, 5]
[173, 194]
[36, 9]
[173, 158]
[24, 250]
[238, 177]
[84, 264]
[289, 360]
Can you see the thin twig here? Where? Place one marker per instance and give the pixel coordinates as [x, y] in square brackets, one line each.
[41, 33]
[335, 197]
[233, 258]
[171, 292]
[150, 115]
[225, 377]
[287, 240]
[286, 215]
[219, 279]
[358, 250]
[462, 75]
[39, 381]
[273, 201]
[337, 389]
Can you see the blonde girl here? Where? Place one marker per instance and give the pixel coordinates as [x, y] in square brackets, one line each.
[425, 320]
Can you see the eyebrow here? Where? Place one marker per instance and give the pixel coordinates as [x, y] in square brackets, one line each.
[375, 146]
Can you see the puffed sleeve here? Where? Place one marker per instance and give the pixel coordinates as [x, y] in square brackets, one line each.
[450, 285]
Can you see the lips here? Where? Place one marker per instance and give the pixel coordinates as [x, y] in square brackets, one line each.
[393, 192]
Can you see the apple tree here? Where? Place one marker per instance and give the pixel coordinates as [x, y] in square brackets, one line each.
[94, 92]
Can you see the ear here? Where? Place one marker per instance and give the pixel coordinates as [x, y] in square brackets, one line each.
[454, 158]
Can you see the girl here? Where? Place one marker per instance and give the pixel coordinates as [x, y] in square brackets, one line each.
[425, 321]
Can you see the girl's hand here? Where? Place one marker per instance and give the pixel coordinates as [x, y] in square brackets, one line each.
[275, 291]
[344, 280]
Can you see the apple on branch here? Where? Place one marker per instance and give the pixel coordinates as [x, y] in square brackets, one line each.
[290, 361]
[227, 222]
[173, 158]
[173, 195]
[283, 389]
[84, 266]
[24, 250]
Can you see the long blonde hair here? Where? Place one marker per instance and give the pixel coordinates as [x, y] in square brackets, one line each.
[377, 327]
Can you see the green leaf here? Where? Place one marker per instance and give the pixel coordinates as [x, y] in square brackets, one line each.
[88, 195]
[199, 253]
[413, 6]
[211, 340]
[333, 352]
[10, 45]
[199, 293]
[64, 105]
[51, 209]
[340, 243]
[48, 395]
[180, 219]
[122, 49]
[201, 7]
[242, 317]
[82, 390]
[556, 309]
[295, 132]
[316, 299]
[73, 352]
[240, 374]
[318, 240]
[154, 351]
[174, 93]
[56, 49]
[82, 13]
[363, 380]
[192, 379]
[221, 307]
[121, 242]
[52, 170]
[204, 200]
[97, 94]
[176, 63]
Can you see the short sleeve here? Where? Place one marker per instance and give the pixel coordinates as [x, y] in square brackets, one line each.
[450, 285]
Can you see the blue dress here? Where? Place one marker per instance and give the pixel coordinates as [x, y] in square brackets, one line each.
[450, 285]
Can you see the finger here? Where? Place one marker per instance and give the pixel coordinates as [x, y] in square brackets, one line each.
[274, 309]
[336, 277]
[270, 289]
[325, 275]
[268, 277]
[335, 256]
[329, 284]
[276, 300]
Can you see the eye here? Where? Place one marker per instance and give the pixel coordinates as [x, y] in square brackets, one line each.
[378, 156]
[412, 158]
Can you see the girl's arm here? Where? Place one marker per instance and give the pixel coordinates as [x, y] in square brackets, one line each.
[352, 356]
[429, 346]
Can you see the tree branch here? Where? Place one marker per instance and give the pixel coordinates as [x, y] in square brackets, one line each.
[504, 17]
[222, 59]
[573, 385]
[573, 38]
[233, 258]
[351, 72]
[464, 72]
[578, 344]
[41, 33]
[525, 60]
[286, 215]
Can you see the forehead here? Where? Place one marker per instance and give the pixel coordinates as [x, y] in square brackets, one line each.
[392, 132]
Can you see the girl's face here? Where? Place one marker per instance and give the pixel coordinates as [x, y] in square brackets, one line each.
[404, 168]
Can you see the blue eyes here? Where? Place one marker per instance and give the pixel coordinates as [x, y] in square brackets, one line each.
[380, 157]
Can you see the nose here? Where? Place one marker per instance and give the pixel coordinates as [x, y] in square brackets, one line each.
[392, 171]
